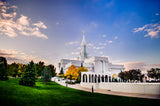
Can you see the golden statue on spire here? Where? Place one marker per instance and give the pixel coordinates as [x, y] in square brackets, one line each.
[83, 32]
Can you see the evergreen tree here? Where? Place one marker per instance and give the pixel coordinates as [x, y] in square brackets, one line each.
[81, 64]
[53, 70]
[39, 66]
[61, 72]
[46, 74]
[28, 78]
[3, 69]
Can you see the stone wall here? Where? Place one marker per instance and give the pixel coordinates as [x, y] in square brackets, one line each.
[141, 88]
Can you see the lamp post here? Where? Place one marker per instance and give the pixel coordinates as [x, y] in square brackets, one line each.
[92, 89]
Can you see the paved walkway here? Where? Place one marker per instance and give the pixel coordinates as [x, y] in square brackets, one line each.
[77, 86]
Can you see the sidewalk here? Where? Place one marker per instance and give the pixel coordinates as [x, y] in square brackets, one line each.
[77, 86]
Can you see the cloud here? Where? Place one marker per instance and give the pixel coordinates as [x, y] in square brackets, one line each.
[109, 41]
[115, 37]
[101, 52]
[154, 65]
[98, 48]
[72, 43]
[18, 56]
[78, 48]
[140, 28]
[57, 23]
[157, 14]
[135, 65]
[12, 26]
[103, 44]
[40, 25]
[90, 44]
[94, 24]
[142, 65]
[23, 20]
[104, 36]
[75, 53]
[153, 30]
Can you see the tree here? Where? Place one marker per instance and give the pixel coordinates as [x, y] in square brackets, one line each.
[154, 73]
[3, 69]
[53, 70]
[70, 72]
[28, 78]
[74, 73]
[61, 72]
[13, 69]
[81, 69]
[81, 64]
[124, 75]
[39, 67]
[21, 68]
[46, 74]
[134, 74]
[121, 75]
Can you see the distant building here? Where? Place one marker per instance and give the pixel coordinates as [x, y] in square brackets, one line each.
[97, 66]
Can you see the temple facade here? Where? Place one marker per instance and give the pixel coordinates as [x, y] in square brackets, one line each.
[97, 66]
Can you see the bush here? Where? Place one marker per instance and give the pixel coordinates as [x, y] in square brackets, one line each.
[28, 78]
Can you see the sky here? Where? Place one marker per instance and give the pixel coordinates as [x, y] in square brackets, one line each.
[126, 31]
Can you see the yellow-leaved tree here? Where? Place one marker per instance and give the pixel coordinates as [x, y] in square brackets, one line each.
[75, 74]
[81, 69]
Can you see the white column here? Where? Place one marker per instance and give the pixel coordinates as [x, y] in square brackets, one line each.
[81, 77]
[107, 78]
[104, 79]
[87, 78]
[90, 78]
[100, 78]
[97, 79]
[111, 78]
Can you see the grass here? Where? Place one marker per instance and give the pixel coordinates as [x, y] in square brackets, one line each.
[56, 95]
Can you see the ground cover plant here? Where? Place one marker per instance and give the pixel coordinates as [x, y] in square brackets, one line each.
[53, 94]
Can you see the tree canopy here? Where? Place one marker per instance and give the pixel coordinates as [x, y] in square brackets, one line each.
[29, 75]
[154, 73]
[134, 74]
[75, 73]
[46, 74]
[3, 69]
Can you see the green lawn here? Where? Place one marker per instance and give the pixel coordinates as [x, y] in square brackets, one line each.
[55, 95]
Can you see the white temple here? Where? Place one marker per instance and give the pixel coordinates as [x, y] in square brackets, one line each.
[97, 66]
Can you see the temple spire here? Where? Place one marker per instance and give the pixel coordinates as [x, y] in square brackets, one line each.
[83, 41]
[83, 54]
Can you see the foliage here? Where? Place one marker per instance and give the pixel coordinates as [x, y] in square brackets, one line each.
[46, 74]
[53, 70]
[154, 73]
[13, 69]
[71, 72]
[39, 66]
[74, 73]
[81, 69]
[61, 71]
[134, 74]
[3, 69]
[28, 78]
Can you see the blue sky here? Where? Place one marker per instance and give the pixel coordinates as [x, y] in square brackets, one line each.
[128, 31]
